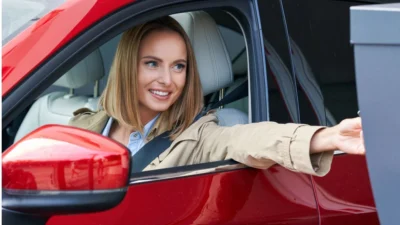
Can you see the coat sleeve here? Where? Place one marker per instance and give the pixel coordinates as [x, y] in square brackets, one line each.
[261, 145]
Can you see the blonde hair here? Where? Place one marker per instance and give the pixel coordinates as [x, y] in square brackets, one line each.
[120, 97]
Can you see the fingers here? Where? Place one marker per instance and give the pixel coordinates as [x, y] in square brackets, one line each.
[355, 123]
[350, 126]
[362, 149]
[362, 136]
[362, 141]
[358, 122]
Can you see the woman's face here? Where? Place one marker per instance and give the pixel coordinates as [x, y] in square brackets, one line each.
[161, 71]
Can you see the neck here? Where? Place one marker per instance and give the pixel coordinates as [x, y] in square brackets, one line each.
[146, 115]
[145, 118]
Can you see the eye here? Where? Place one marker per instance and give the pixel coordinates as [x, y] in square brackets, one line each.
[151, 64]
[179, 67]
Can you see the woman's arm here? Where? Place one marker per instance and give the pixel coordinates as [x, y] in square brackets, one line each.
[261, 145]
[297, 147]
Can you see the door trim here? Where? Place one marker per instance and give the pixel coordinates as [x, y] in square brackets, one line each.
[184, 171]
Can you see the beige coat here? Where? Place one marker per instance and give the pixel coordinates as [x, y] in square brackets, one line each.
[258, 145]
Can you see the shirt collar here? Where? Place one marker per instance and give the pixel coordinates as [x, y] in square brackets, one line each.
[149, 125]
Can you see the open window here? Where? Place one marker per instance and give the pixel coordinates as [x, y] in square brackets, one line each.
[81, 86]
[223, 42]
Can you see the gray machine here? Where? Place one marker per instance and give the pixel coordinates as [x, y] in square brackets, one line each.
[375, 34]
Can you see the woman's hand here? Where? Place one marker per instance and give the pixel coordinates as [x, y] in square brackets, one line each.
[347, 136]
[350, 138]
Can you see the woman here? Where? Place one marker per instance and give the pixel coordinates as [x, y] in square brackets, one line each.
[154, 87]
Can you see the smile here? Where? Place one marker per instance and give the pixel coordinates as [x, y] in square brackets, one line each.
[160, 93]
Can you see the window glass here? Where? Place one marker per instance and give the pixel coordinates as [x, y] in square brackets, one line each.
[234, 42]
[282, 96]
[323, 59]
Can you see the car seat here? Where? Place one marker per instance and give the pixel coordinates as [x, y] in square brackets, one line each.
[212, 59]
[58, 107]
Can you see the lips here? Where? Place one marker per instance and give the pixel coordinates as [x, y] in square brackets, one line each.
[162, 95]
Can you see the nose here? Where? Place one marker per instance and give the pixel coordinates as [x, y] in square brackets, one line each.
[165, 77]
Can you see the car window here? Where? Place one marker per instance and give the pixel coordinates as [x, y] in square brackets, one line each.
[234, 42]
[323, 59]
[19, 14]
[80, 89]
[281, 90]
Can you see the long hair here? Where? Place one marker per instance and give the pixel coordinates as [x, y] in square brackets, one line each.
[120, 97]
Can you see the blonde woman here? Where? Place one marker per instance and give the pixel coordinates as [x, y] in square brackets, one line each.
[154, 86]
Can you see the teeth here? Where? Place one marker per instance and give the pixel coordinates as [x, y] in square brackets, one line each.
[161, 93]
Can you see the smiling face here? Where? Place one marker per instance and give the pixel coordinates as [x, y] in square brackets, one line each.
[154, 71]
[162, 62]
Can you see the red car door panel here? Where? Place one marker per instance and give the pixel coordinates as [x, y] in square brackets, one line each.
[244, 196]
[345, 196]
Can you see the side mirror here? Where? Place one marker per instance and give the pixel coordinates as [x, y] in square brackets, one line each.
[59, 169]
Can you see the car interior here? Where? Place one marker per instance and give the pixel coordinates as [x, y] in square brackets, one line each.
[81, 85]
[220, 50]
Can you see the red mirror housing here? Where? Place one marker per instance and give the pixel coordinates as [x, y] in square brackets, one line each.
[55, 164]
[65, 158]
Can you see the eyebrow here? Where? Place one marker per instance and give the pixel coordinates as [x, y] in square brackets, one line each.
[158, 59]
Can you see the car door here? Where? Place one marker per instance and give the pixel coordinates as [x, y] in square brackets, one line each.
[324, 68]
[213, 193]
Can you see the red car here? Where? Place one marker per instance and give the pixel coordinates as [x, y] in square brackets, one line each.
[295, 55]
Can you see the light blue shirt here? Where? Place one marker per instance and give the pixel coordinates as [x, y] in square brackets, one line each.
[136, 139]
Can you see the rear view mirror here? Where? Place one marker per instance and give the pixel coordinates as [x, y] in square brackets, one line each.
[59, 169]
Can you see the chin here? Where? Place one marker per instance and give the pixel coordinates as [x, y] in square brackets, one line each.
[159, 108]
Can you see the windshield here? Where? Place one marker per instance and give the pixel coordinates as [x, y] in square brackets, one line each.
[19, 14]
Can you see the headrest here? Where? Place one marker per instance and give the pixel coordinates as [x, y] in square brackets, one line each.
[212, 57]
[86, 71]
